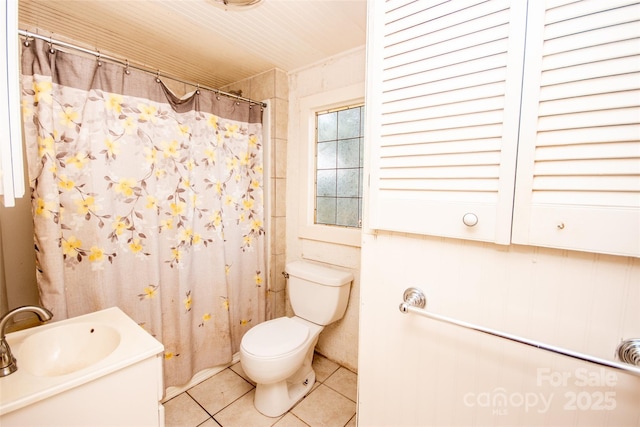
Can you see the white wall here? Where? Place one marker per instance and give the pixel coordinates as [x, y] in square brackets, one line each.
[338, 341]
[416, 371]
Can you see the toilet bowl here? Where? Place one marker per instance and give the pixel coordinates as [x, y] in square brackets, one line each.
[278, 354]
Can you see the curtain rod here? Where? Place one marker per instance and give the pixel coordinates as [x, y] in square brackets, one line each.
[28, 34]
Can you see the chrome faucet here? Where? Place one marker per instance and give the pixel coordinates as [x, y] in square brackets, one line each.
[7, 361]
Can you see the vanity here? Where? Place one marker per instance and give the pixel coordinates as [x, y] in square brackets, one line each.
[99, 369]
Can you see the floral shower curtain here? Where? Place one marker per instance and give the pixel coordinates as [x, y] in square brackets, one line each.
[145, 201]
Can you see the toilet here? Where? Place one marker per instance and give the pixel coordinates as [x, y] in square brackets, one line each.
[277, 354]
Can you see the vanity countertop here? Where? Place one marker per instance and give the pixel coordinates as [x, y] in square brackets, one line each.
[23, 388]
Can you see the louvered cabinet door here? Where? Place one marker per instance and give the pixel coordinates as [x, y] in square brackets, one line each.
[578, 183]
[443, 101]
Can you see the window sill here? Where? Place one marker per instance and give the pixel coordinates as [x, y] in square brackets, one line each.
[331, 234]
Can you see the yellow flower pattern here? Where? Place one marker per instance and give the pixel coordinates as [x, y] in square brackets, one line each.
[96, 255]
[213, 122]
[70, 245]
[149, 292]
[154, 190]
[27, 109]
[177, 208]
[152, 202]
[205, 318]
[42, 92]
[86, 205]
[188, 301]
[114, 103]
[65, 183]
[135, 245]
[147, 112]
[151, 155]
[125, 187]
[79, 160]
[45, 146]
[247, 204]
[129, 124]
[68, 117]
[43, 208]
[210, 155]
[170, 149]
[168, 355]
[119, 225]
[112, 148]
[183, 130]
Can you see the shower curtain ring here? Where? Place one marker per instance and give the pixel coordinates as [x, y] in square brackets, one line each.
[158, 76]
[126, 68]
[198, 89]
[51, 49]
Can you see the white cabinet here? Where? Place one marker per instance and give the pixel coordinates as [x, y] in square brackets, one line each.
[127, 397]
[444, 97]
[525, 121]
[578, 181]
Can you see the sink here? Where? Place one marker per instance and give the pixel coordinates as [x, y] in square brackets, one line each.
[97, 368]
[66, 349]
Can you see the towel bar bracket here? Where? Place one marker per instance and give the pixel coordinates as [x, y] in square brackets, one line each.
[413, 297]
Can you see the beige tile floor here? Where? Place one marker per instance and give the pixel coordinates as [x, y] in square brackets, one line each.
[226, 399]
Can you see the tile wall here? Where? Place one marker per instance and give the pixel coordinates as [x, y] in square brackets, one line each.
[273, 86]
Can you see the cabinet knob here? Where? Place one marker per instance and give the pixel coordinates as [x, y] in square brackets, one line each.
[470, 219]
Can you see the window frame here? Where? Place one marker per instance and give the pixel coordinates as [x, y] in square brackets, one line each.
[309, 107]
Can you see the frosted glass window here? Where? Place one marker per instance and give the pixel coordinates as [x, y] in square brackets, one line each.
[326, 183]
[349, 153]
[327, 155]
[339, 162]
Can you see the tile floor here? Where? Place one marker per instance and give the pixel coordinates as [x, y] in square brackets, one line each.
[226, 399]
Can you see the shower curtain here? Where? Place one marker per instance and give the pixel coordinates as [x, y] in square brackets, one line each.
[145, 201]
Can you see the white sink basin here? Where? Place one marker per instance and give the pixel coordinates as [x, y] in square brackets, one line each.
[66, 349]
[59, 358]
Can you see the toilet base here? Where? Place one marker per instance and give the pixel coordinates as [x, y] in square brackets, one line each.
[275, 399]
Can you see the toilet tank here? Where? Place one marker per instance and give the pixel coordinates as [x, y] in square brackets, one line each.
[317, 293]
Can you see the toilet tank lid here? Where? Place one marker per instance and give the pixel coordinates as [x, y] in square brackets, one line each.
[317, 273]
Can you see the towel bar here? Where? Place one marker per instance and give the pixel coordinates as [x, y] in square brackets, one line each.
[415, 301]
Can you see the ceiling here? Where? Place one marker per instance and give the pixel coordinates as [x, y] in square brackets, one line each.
[199, 42]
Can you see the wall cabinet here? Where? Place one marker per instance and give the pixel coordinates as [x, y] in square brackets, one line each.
[507, 122]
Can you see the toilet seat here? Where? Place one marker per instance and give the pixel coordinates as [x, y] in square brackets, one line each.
[275, 338]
